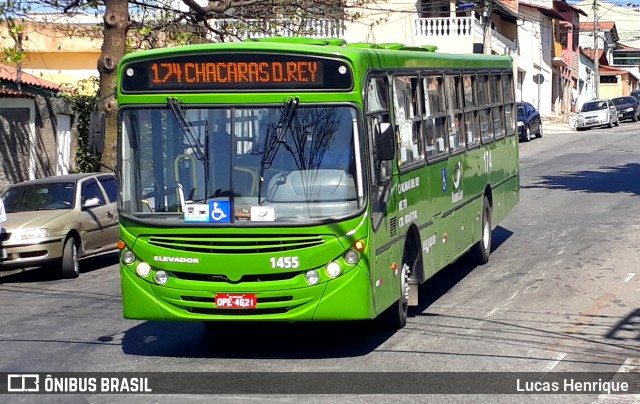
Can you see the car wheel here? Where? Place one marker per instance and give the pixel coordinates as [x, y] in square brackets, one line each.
[539, 134]
[635, 118]
[70, 266]
[610, 124]
[527, 134]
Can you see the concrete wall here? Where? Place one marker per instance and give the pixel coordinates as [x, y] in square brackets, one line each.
[28, 143]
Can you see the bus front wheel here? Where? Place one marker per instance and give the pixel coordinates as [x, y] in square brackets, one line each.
[482, 249]
[395, 317]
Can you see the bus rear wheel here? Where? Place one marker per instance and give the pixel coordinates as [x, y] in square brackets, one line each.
[482, 249]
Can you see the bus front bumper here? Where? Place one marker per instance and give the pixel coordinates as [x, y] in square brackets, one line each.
[347, 297]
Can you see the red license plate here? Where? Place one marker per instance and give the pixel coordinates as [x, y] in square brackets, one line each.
[227, 301]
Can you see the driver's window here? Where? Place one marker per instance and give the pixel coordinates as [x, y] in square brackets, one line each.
[377, 110]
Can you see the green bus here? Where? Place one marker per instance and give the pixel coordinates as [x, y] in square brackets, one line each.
[296, 179]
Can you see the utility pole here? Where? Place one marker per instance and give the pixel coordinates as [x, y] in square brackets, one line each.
[19, 64]
[486, 40]
[596, 81]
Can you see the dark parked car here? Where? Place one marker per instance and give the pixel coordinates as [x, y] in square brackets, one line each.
[59, 220]
[628, 108]
[635, 94]
[529, 122]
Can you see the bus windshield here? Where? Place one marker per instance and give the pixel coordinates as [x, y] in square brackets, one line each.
[241, 165]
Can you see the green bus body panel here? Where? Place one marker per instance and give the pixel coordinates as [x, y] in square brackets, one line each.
[447, 226]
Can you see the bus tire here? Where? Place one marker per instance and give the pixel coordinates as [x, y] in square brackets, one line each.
[395, 317]
[70, 267]
[482, 248]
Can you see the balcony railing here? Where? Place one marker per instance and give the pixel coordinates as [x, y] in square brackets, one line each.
[445, 27]
[459, 34]
[244, 29]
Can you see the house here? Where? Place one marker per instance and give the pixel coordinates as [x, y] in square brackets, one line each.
[548, 64]
[37, 136]
[452, 26]
[618, 64]
[60, 48]
[586, 79]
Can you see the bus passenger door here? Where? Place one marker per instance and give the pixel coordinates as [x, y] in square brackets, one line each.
[383, 207]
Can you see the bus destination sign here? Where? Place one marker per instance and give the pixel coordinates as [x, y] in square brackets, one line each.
[235, 72]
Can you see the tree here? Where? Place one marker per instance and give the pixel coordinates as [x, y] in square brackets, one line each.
[140, 24]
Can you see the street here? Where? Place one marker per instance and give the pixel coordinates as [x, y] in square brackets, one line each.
[560, 293]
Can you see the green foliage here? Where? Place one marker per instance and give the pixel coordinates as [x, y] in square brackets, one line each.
[14, 54]
[83, 105]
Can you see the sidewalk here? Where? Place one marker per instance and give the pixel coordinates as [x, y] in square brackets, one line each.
[558, 124]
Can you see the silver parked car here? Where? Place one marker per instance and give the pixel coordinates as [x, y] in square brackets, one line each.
[601, 112]
[59, 220]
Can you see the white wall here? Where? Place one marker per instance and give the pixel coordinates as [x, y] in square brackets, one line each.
[534, 44]
[587, 91]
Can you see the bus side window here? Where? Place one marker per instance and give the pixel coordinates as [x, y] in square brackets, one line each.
[407, 119]
[434, 118]
[484, 103]
[455, 122]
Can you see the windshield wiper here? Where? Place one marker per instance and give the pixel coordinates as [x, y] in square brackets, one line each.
[200, 151]
[275, 138]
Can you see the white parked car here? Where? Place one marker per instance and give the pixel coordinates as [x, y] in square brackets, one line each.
[601, 112]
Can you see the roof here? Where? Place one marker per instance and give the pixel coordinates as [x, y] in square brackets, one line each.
[611, 71]
[60, 178]
[621, 46]
[549, 12]
[602, 26]
[10, 74]
[602, 59]
[15, 94]
[564, 6]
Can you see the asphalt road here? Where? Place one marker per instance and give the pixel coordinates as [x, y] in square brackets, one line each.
[560, 294]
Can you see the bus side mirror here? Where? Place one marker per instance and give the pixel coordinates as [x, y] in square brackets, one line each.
[96, 133]
[385, 142]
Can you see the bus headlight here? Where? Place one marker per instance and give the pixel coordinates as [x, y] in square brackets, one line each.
[312, 277]
[351, 257]
[161, 277]
[333, 269]
[143, 269]
[128, 257]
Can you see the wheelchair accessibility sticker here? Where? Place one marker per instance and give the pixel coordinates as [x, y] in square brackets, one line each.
[220, 211]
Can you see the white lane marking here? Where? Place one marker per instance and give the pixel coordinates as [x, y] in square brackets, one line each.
[489, 314]
[558, 357]
[630, 276]
[631, 365]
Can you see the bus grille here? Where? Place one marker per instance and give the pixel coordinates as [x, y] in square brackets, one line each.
[245, 278]
[240, 312]
[235, 243]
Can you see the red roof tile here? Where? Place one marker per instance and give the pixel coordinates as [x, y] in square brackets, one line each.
[610, 70]
[14, 94]
[8, 73]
